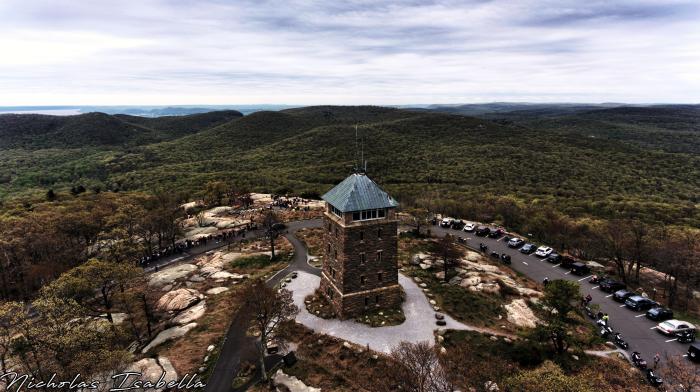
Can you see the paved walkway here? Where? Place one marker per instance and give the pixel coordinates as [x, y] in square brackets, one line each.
[418, 327]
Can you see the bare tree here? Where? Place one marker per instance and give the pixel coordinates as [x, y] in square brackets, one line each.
[446, 250]
[271, 223]
[680, 375]
[415, 367]
[267, 309]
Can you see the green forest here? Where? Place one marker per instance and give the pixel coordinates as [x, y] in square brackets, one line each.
[637, 162]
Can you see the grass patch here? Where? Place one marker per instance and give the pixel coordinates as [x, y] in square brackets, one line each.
[254, 261]
[383, 318]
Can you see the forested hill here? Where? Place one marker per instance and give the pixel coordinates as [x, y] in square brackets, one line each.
[36, 131]
[594, 161]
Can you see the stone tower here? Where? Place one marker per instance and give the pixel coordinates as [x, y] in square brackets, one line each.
[360, 271]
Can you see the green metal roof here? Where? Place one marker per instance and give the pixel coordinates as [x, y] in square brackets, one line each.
[358, 192]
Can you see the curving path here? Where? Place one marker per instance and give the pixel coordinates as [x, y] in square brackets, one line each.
[237, 346]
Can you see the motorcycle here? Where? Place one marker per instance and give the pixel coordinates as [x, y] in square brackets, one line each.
[685, 336]
[638, 361]
[653, 379]
[606, 331]
[589, 311]
[483, 247]
[617, 339]
[461, 240]
[495, 255]
[505, 258]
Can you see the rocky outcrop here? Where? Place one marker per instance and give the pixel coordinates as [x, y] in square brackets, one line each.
[178, 300]
[171, 274]
[169, 334]
[520, 314]
[216, 290]
[191, 314]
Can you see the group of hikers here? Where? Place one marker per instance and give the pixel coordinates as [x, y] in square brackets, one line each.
[183, 246]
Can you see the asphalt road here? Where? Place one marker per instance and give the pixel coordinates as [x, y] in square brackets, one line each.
[635, 328]
[237, 346]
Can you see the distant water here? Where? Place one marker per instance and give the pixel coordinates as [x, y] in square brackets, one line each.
[53, 112]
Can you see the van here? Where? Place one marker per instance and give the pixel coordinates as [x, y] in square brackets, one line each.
[580, 269]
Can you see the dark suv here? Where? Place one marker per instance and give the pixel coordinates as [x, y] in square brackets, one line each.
[611, 285]
[554, 258]
[638, 303]
[482, 231]
[566, 262]
[458, 224]
[622, 295]
[528, 249]
[659, 313]
[496, 233]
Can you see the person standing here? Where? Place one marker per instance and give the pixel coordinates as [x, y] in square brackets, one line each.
[657, 359]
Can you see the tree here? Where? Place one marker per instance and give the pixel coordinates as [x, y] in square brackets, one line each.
[93, 285]
[415, 367]
[560, 297]
[679, 374]
[270, 223]
[214, 192]
[418, 218]
[12, 315]
[446, 250]
[267, 308]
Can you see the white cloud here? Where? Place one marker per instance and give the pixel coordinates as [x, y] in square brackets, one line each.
[315, 52]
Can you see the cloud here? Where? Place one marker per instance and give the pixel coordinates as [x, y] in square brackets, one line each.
[350, 52]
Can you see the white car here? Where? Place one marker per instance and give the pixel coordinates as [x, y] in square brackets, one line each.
[672, 327]
[470, 226]
[543, 251]
[446, 222]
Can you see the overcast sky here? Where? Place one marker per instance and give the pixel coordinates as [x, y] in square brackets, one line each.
[64, 52]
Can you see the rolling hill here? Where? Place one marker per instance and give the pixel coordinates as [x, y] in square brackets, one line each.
[590, 161]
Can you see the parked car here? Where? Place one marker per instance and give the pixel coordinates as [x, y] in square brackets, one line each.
[457, 224]
[528, 249]
[482, 231]
[694, 352]
[637, 303]
[580, 269]
[543, 251]
[446, 222]
[672, 327]
[659, 313]
[566, 262]
[469, 226]
[554, 258]
[515, 242]
[611, 285]
[496, 233]
[622, 295]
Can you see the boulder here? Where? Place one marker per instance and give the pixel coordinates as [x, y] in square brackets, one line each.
[440, 275]
[471, 281]
[425, 266]
[217, 290]
[223, 275]
[169, 334]
[456, 280]
[189, 315]
[151, 370]
[291, 383]
[520, 314]
[196, 278]
[168, 275]
[177, 300]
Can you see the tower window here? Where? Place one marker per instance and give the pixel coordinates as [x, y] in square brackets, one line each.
[329, 248]
[329, 227]
[362, 258]
[379, 232]
[366, 301]
[362, 236]
[379, 256]
[356, 216]
[362, 279]
[333, 272]
[335, 255]
[379, 277]
[377, 298]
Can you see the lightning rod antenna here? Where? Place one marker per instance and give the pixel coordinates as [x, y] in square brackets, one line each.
[357, 166]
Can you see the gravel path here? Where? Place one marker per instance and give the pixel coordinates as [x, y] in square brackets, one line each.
[419, 324]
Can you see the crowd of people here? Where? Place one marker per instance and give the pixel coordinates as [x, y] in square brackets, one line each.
[184, 245]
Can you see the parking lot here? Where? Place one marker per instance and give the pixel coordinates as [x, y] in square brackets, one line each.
[639, 331]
